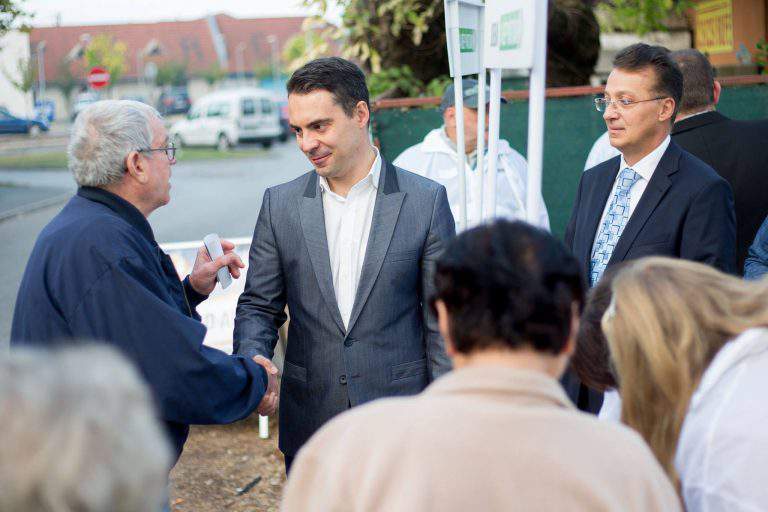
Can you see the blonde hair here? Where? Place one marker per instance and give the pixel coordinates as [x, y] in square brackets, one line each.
[667, 321]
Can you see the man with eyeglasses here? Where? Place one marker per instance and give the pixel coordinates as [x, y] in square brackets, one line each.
[654, 198]
[97, 274]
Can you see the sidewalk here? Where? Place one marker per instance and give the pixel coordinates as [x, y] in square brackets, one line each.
[18, 200]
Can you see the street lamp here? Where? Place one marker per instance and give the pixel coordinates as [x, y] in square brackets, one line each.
[239, 51]
[41, 69]
[272, 40]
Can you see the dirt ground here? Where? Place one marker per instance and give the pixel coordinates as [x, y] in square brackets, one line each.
[220, 464]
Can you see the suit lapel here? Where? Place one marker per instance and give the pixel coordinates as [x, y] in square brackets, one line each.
[595, 205]
[389, 199]
[313, 228]
[654, 192]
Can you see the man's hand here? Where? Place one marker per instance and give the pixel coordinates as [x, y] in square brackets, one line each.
[203, 275]
[268, 404]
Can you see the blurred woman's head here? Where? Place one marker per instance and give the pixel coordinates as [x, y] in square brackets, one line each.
[667, 320]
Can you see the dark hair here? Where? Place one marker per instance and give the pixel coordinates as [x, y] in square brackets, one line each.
[592, 359]
[669, 79]
[698, 80]
[343, 79]
[508, 284]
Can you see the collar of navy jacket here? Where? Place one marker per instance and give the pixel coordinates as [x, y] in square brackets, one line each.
[605, 176]
[386, 210]
[698, 121]
[121, 207]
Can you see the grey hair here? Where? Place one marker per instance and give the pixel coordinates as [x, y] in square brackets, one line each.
[103, 135]
[79, 434]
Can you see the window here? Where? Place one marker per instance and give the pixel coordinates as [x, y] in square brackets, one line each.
[266, 106]
[248, 107]
[218, 110]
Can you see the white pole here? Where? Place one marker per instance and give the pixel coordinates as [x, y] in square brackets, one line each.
[263, 427]
[493, 141]
[458, 95]
[479, 189]
[536, 114]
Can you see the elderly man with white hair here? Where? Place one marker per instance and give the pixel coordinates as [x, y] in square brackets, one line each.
[96, 272]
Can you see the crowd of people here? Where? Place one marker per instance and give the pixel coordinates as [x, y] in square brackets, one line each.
[496, 369]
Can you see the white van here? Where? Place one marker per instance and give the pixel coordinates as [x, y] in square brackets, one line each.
[224, 118]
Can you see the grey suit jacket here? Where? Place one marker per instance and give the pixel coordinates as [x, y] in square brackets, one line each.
[392, 346]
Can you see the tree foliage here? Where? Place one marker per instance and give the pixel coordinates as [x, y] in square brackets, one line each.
[402, 43]
[103, 50]
[214, 73]
[639, 16]
[13, 15]
[25, 76]
[67, 81]
[171, 73]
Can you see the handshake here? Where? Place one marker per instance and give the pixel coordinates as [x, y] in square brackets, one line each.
[268, 404]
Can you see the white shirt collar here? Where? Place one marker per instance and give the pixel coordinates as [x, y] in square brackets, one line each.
[371, 178]
[649, 162]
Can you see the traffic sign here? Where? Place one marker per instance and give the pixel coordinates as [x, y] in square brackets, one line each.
[98, 77]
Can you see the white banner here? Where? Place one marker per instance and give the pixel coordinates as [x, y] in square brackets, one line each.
[509, 34]
[467, 16]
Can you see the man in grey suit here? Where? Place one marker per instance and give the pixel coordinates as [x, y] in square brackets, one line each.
[350, 247]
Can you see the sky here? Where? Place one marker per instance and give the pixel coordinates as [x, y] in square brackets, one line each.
[84, 12]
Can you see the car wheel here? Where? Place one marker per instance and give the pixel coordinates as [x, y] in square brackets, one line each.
[223, 143]
[266, 144]
[34, 130]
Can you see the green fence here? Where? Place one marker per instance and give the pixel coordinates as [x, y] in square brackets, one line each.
[571, 127]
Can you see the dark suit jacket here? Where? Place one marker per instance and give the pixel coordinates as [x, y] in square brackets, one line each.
[391, 346]
[738, 151]
[686, 211]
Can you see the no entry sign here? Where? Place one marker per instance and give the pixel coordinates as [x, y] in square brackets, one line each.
[98, 77]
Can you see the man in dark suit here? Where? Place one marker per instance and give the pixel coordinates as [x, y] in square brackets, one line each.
[350, 247]
[654, 198]
[737, 150]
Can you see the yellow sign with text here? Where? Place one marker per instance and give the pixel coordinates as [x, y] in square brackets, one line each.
[714, 26]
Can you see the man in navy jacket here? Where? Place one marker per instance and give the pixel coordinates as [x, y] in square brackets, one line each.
[96, 273]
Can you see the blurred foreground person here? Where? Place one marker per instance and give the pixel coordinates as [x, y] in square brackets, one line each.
[497, 433]
[690, 346]
[79, 434]
[96, 272]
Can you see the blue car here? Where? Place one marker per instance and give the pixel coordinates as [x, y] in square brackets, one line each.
[10, 123]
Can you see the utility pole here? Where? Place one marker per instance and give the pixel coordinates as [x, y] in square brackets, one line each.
[272, 40]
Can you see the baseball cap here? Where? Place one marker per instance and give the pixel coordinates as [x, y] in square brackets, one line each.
[470, 89]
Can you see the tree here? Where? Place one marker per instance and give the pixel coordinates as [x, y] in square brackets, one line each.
[400, 34]
[67, 81]
[12, 15]
[214, 73]
[171, 73]
[639, 16]
[103, 50]
[25, 77]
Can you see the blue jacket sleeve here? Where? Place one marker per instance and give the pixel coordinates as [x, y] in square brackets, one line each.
[192, 383]
[709, 234]
[756, 264]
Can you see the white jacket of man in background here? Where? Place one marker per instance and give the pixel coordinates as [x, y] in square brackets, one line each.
[437, 159]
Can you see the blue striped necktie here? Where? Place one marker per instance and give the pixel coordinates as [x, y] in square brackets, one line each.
[613, 225]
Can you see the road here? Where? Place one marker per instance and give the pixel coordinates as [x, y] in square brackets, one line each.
[221, 196]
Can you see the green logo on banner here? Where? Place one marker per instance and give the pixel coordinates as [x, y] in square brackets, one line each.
[466, 40]
[511, 30]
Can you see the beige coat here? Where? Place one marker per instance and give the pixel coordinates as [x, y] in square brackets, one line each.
[478, 439]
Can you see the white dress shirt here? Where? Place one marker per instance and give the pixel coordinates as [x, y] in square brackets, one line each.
[645, 168]
[722, 453]
[347, 227]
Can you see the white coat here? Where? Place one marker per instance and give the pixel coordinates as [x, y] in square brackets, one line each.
[435, 159]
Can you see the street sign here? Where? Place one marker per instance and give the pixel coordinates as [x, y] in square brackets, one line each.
[467, 16]
[98, 77]
[509, 34]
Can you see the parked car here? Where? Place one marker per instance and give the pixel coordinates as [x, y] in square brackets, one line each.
[173, 100]
[225, 118]
[10, 123]
[81, 101]
[45, 109]
[287, 131]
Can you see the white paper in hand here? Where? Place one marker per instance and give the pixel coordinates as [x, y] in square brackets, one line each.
[213, 246]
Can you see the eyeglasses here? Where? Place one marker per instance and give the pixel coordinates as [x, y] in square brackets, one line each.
[602, 104]
[170, 151]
